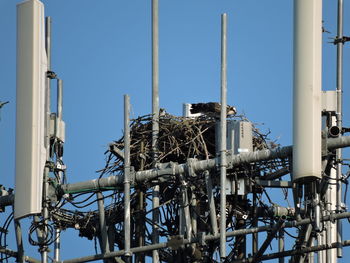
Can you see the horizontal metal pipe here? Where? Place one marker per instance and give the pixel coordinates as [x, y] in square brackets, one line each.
[14, 254]
[334, 131]
[279, 173]
[174, 169]
[194, 166]
[340, 142]
[294, 252]
[207, 238]
[289, 224]
[93, 185]
[113, 254]
[274, 184]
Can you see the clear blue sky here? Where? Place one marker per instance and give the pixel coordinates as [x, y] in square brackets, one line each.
[102, 50]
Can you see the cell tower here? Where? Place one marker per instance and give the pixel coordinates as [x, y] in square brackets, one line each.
[191, 188]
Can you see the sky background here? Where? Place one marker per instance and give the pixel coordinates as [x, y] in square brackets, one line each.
[102, 50]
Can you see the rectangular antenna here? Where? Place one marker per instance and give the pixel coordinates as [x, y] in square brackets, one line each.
[30, 116]
[307, 90]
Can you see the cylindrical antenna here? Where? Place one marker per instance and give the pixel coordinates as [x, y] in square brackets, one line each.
[48, 40]
[127, 176]
[223, 138]
[307, 90]
[155, 123]
[58, 122]
[59, 98]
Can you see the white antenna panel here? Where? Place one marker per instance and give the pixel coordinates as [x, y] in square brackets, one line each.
[30, 116]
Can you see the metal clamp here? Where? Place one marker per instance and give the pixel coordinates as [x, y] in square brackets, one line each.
[342, 40]
[190, 167]
[175, 242]
[51, 74]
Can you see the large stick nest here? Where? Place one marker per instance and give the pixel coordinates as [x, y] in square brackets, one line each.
[180, 138]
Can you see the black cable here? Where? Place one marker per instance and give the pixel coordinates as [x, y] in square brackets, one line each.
[83, 201]
[5, 230]
[97, 199]
[285, 231]
[346, 182]
[110, 156]
[346, 191]
[47, 229]
[95, 245]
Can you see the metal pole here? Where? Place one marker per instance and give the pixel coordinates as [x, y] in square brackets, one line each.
[211, 202]
[255, 221]
[57, 244]
[155, 123]
[321, 255]
[339, 118]
[45, 213]
[58, 131]
[317, 211]
[127, 177]
[19, 240]
[311, 254]
[331, 198]
[103, 227]
[194, 214]
[223, 132]
[281, 244]
[48, 22]
[187, 215]
[140, 228]
[241, 247]
[306, 241]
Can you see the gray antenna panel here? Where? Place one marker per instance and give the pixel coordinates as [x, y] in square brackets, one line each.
[30, 116]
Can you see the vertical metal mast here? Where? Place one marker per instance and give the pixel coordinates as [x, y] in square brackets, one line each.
[339, 118]
[155, 123]
[57, 243]
[19, 240]
[44, 253]
[48, 89]
[103, 226]
[127, 177]
[223, 140]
